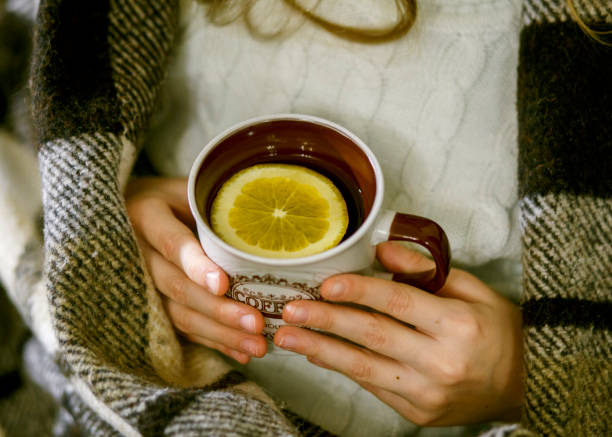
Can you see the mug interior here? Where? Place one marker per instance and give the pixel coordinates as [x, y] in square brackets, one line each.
[319, 146]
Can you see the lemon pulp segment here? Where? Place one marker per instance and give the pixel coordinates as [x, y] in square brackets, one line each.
[279, 211]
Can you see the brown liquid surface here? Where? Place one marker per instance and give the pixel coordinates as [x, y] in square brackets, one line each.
[317, 147]
[347, 187]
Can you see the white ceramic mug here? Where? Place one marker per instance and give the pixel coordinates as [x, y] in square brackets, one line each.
[269, 283]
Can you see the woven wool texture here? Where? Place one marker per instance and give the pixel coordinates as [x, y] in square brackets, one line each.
[94, 87]
[565, 177]
[96, 72]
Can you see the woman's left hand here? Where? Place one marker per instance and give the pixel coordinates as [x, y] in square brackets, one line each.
[445, 359]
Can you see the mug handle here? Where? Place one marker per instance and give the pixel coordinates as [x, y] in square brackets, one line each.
[397, 226]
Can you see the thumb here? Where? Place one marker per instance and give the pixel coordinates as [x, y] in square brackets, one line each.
[409, 266]
[397, 258]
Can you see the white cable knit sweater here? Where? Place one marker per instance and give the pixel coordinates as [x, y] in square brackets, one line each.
[436, 106]
[102, 342]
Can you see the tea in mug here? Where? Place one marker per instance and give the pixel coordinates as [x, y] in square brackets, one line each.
[282, 210]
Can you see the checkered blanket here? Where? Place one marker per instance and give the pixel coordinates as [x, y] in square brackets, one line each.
[106, 349]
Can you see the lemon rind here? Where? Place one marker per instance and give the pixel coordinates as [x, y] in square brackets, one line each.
[231, 189]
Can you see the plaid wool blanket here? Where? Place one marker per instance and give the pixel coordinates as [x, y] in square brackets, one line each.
[104, 348]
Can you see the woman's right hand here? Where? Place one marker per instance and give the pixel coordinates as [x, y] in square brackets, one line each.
[192, 287]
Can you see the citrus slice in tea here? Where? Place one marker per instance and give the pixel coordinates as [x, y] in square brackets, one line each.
[279, 211]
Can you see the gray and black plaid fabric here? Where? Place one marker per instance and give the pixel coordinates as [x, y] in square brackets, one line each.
[565, 176]
[97, 67]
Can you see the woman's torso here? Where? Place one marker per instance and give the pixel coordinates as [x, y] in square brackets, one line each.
[436, 107]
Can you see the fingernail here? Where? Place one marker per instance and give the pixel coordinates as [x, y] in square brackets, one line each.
[212, 282]
[287, 342]
[249, 346]
[335, 290]
[296, 314]
[248, 322]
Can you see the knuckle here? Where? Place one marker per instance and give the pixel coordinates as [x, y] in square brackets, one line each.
[134, 207]
[420, 419]
[226, 350]
[229, 340]
[223, 312]
[313, 349]
[171, 244]
[453, 372]
[184, 321]
[400, 301]
[353, 290]
[413, 259]
[175, 288]
[425, 418]
[193, 270]
[464, 322]
[361, 370]
[374, 336]
[435, 401]
[467, 325]
[324, 320]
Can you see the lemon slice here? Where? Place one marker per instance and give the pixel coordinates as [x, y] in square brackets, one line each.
[279, 211]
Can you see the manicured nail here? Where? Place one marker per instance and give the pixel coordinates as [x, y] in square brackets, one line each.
[335, 290]
[248, 322]
[212, 282]
[296, 314]
[287, 342]
[249, 346]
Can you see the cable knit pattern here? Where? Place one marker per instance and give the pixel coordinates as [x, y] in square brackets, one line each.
[437, 107]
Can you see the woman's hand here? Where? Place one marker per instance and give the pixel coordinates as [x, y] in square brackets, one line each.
[445, 359]
[191, 285]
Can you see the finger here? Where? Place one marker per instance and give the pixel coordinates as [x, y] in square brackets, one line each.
[373, 331]
[175, 191]
[160, 228]
[402, 302]
[459, 284]
[399, 259]
[357, 363]
[241, 357]
[175, 285]
[400, 404]
[172, 190]
[466, 287]
[191, 322]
